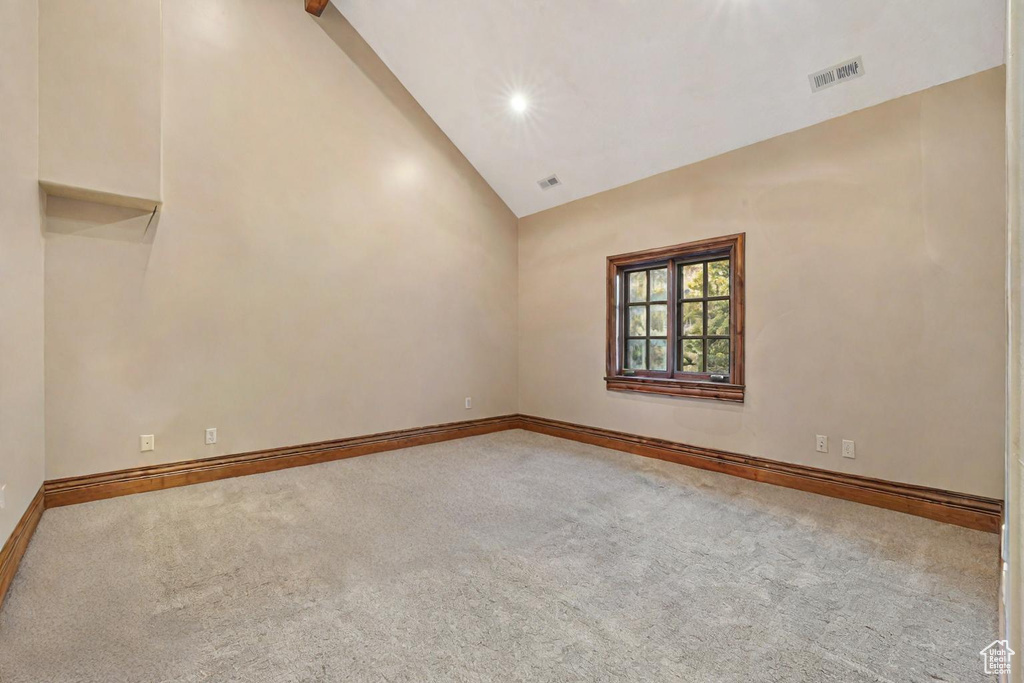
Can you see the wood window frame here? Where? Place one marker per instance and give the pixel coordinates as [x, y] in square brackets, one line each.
[672, 382]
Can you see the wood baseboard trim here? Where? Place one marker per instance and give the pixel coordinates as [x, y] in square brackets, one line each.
[973, 512]
[72, 490]
[16, 545]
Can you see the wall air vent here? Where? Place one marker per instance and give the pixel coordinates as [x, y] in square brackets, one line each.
[550, 181]
[844, 71]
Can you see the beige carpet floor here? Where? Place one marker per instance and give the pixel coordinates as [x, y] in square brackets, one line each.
[507, 557]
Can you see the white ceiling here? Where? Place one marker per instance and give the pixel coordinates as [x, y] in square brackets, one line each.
[622, 89]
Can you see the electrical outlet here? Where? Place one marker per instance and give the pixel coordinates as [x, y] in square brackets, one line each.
[848, 449]
[3, 496]
[821, 444]
[211, 436]
[469, 403]
[147, 442]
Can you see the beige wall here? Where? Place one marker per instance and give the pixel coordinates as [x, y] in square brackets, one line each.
[99, 95]
[875, 250]
[326, 262]
[21, 264]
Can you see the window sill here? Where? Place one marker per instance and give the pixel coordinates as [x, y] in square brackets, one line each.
[677, 387]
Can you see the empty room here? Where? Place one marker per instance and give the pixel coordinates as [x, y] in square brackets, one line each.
[511, 340]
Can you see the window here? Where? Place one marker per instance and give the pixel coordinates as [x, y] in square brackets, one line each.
[675, 320]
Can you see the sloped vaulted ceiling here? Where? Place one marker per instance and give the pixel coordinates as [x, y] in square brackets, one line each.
[618, 90]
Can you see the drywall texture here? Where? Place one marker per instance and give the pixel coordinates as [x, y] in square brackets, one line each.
[875, 251]
[21, 265]
[99, 95]
[326, 262]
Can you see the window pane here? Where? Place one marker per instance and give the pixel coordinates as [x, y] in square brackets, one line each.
[638, 286]
[659, 321]
[659, 284]
[718, 317]
[637, 321]
[718, 355]
[718, 278]
[659, 351]
[693, 281]
[692, 359]
[636, 354]
[693, 319]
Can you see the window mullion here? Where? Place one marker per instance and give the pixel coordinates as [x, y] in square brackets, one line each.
[671, 332]
[704, 330]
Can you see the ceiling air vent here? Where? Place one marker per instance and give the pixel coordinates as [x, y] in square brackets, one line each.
[550, 181]
[844, 71]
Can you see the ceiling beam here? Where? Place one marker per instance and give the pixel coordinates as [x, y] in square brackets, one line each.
[316, 7]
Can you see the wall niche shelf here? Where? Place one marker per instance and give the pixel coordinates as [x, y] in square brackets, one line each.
[83, 194]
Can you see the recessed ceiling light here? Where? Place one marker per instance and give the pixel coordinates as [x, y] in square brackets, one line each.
[519, 103]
